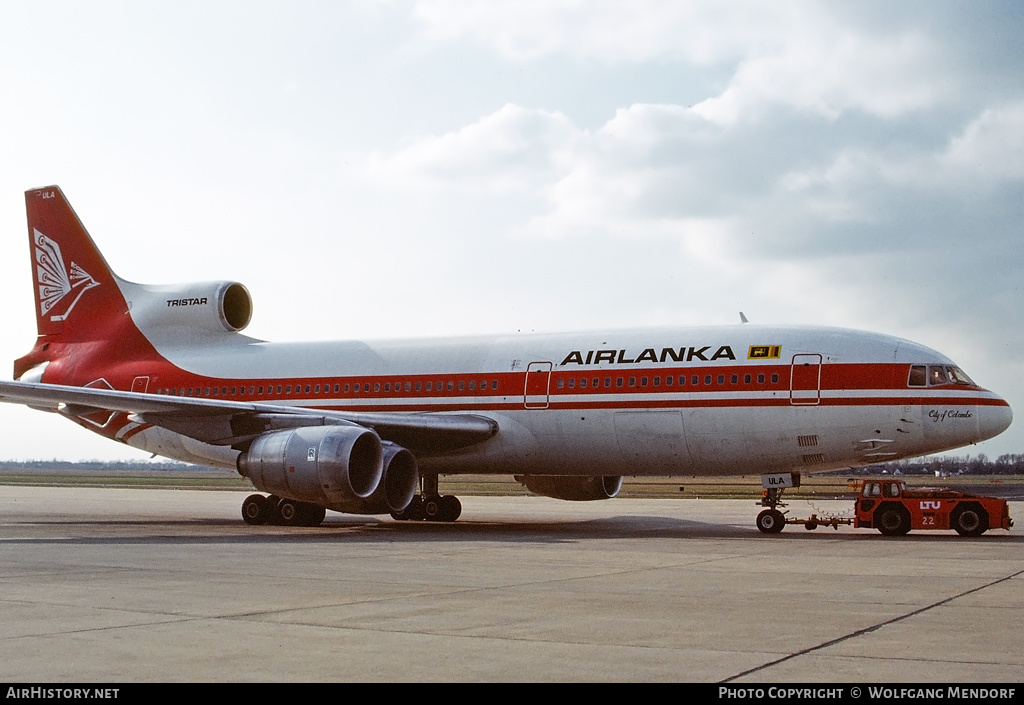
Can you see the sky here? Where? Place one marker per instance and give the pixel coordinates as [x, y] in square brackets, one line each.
[396, 169]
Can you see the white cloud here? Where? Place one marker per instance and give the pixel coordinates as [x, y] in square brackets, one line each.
[829, 70]
[509, 150]
[607, 31]
[991, 147]
[807, 56]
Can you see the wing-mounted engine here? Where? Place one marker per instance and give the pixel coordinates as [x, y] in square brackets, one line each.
[396, 489]
[574, 489]
[324, 465]
[190, 311]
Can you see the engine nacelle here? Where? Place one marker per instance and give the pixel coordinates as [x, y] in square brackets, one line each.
[324, 465]
[396, 489]
[206, 307]
[574, 489]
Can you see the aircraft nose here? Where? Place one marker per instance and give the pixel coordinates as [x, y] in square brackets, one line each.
[993, 420]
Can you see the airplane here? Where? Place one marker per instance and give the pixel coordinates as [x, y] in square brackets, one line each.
[367, 427]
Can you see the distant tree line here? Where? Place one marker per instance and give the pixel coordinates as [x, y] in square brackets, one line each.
[1008, 464]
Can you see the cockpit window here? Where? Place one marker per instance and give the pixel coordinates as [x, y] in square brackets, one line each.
[957, 376]
[918, 376]
[936, 375]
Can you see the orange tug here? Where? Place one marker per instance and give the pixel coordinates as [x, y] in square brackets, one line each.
[893, 509]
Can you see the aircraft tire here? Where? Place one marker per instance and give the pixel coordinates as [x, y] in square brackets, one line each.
[771, 521]
[256, 510]
[313, 514]
[414, 512]
[892, 520]
[288, 513]
[969, 520]
[451, 508]
[432, 509]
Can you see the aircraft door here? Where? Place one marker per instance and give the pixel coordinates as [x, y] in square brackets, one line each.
[805, 379]
[538, 385]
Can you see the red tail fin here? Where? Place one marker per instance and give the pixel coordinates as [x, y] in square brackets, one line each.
[77, 296]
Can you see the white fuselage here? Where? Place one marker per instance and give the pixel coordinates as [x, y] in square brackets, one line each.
[715, 400]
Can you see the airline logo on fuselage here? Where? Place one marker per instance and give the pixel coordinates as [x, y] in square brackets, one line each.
[625, 357]
[56, 281]
[764, 352]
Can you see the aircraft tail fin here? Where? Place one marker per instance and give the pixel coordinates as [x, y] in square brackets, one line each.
[77, 296]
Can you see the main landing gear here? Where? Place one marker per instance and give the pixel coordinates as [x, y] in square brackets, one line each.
[257, 509]
[430, 505]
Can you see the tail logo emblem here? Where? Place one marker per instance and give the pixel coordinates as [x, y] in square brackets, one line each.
[57, 281]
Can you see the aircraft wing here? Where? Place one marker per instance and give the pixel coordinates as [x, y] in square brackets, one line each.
[232, 423]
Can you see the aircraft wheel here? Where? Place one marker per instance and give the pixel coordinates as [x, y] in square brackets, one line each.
[892, 520]
[255, 510]
[771, 521]
[432, 509]
[289, 513]
[414, 512]
[969, 520]
[313, 514]
[451, 508]
[810, 526]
